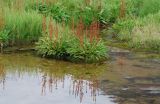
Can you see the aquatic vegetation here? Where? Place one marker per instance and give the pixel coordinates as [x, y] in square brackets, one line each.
[87, 45]
[25, 22]
[61, 43]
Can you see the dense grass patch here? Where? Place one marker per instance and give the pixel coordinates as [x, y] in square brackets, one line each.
[54, 43]
[139, 28]
[146, 33]
[61, 43]
[140, 32]
[135, 22]
[87, 52]
[105, 11]
[23, 26]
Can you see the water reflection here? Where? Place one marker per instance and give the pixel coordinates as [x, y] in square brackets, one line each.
[25, 79]
[77, 87]
[59, 82]
[2, 76]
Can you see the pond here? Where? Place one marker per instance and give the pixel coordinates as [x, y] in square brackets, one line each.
[124, 79]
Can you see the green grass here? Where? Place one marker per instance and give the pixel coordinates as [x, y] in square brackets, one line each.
[146, 33]
[23, 26]
[88, 52]
[139, 33]
[52, 46]
[67, 45]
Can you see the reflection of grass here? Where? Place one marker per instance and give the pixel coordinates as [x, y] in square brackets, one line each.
[83, 78]
[2, 74]
[26, 63]
[61, 69]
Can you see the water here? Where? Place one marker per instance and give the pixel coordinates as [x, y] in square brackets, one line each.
[125, 79]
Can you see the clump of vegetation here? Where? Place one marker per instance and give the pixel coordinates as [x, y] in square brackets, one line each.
[54, 41]
[74, 35]
[140, 32]
[87, 52]
[104, 11]
[61, 43]
[4, 37]
[123, 29]
[146, 33]
[140, 25]
[23, 26]
[87, 45]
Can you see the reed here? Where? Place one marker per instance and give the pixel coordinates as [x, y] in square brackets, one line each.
[23, 26]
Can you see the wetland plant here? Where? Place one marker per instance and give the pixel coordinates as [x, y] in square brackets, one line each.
[79, 46]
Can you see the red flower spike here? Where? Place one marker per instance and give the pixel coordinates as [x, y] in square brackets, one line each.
[44, 26]
[50, 29]
[80, 30]
[91, 34]
[98, 31]
[56, 32]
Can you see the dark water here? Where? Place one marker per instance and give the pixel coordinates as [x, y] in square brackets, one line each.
[125, 79]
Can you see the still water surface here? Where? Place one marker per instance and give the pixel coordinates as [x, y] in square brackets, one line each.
[27, 79]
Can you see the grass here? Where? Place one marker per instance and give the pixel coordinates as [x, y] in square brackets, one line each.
[69, 29]
[140, 26]
[64, 10]
[146, 33]
[54, 41]
[24, 27]
[74, 45]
